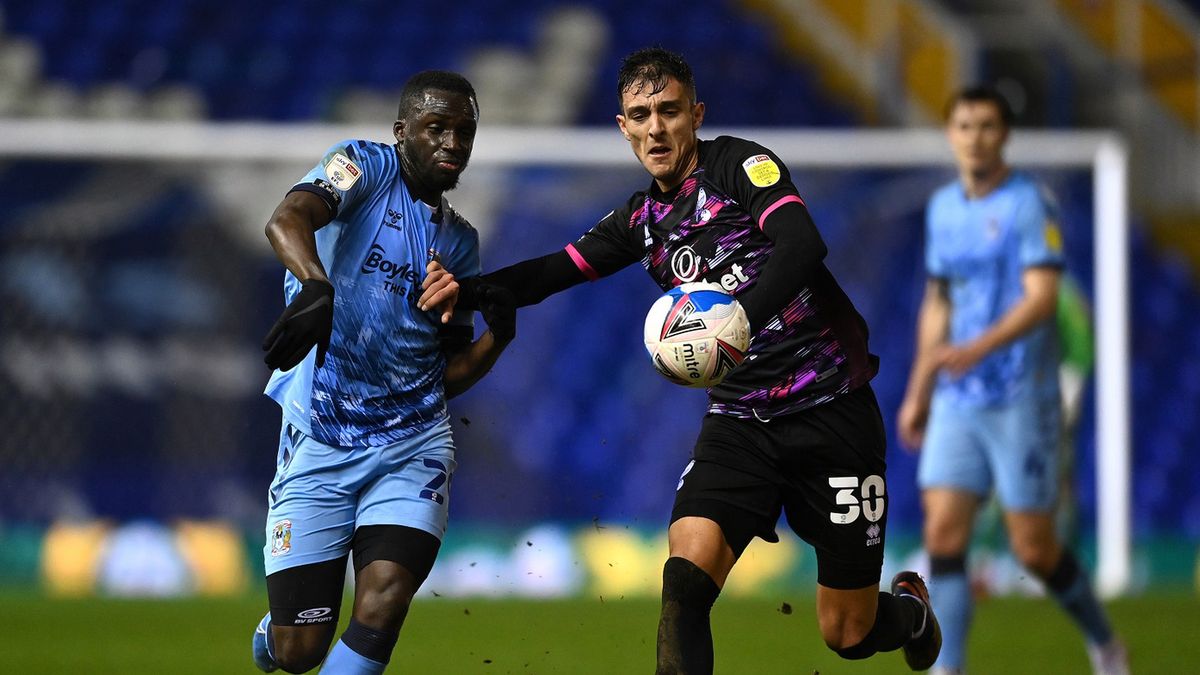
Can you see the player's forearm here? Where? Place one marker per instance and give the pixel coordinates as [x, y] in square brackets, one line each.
[530, 281]
[1037, 305]
[1023, 317]
[933, 323]
[465, 368]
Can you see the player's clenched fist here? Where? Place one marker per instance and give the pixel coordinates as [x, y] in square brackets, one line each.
[307, 321]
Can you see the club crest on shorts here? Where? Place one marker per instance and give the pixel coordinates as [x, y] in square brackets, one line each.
[281, 538]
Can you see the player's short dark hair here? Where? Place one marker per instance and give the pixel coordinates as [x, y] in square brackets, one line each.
[654, 67]
[413, 93]
[981, 93]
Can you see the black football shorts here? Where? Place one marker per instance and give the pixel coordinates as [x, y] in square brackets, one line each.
[824, 467]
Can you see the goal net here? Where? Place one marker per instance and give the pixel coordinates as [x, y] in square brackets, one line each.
[137, 283]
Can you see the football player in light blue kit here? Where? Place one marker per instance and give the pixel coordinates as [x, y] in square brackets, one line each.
[362, 375]
[982, 400]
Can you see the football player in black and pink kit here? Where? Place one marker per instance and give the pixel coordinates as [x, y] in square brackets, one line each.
[795, 427]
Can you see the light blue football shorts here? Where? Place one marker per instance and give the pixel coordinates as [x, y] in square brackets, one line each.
[322, 492]
[1013, 446]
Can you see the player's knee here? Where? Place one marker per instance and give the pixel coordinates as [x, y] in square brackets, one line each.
[1036, 551]
[1038, 558]
[302, 649]
[943, 538]
[688, 585]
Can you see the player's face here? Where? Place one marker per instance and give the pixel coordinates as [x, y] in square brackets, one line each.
[977, 134]
[661, 127]
[436, 138]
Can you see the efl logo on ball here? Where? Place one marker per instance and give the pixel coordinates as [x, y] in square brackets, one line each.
[696, 333]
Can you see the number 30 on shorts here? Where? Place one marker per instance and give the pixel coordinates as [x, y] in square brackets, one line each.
[866, 498]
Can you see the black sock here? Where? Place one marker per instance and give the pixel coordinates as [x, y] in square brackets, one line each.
[373, 644]
[897, 619]
[684, 632]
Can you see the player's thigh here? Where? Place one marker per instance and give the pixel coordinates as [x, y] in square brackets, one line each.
[312, 503]
[730, 482]
[412, 487]
[305, 602]
[953, 455]
[836, 496]
[1022, 439]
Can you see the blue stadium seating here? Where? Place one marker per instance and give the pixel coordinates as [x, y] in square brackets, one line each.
[288, 60]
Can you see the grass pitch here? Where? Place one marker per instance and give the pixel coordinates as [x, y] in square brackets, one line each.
[614, 636]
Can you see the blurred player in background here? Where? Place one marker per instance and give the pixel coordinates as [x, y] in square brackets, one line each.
[794, 428]
[366, 454]
[983, 396]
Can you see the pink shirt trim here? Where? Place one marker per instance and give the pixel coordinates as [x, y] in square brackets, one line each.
[770, 209]
[582, 264]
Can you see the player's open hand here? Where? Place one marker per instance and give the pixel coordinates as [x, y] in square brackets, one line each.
[499, 310]
[305, 322]
[440, 290]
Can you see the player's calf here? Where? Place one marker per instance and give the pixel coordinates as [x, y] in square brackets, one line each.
[684, 631]
[299, 650]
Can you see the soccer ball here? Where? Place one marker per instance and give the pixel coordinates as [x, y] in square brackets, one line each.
[696, 333]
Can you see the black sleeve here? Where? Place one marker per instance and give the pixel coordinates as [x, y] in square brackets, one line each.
[606, 248]
[530, 281]
[761, 183]
[797, 253]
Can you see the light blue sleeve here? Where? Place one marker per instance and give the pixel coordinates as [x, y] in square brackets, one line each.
[1038, 233]
[934, 265]
[342, 176]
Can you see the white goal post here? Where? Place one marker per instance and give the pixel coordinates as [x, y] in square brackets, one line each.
[1104, 153]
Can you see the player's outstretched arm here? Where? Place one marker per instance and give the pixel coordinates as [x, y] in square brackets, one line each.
[466, 367]
[529, 281]
[308, 320]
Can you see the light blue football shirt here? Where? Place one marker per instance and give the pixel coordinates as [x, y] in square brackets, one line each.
[981, 247]
[382, 378]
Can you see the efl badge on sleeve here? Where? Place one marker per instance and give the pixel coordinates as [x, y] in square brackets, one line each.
[1053, 236]
[762, 170]
[342, 172]
[281, 538]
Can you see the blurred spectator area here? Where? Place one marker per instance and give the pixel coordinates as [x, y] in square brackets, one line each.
[533, 62]
[130, 324]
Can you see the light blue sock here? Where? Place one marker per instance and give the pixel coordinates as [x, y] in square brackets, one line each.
[953, 605]
[343, 660]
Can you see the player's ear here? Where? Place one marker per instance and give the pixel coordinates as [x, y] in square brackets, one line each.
[621, 124]
[398, 131]
[697, 115]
